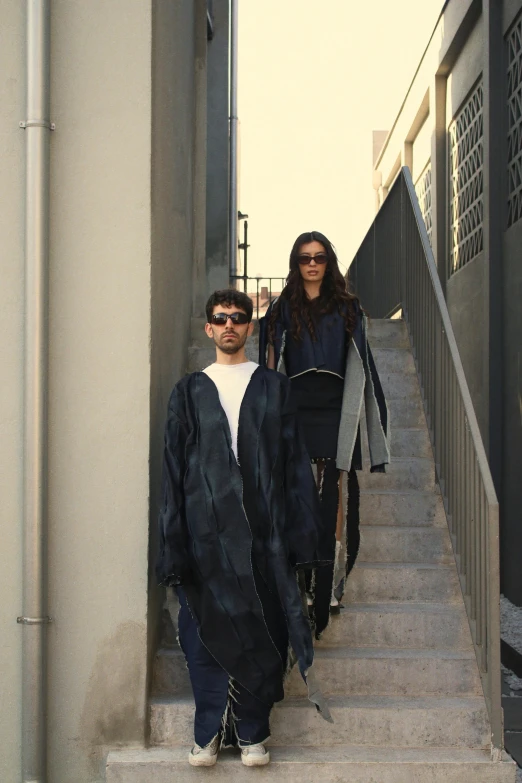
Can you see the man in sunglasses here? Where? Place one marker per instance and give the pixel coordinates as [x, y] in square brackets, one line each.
[240, 514]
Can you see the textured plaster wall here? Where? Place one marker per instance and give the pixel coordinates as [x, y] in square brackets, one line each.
[466, 70]
[510, 10]
[127, 239]
[422, 147]
[465, 298]
[179, 90]
[217, 153]
[199, 272]
[465, 289]
[12, 102]
[99, 381]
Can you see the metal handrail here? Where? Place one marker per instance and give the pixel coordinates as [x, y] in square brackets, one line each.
[271, 295]
[395, 269]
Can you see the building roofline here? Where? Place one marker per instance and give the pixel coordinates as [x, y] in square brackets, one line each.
[394, 125]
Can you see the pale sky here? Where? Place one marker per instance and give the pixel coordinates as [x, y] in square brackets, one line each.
[316, 77]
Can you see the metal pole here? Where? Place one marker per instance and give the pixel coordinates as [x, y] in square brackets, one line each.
[232, 209]
[245, 253]
[34, 619]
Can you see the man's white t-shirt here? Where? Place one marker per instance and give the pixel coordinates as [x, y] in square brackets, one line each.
[231, 381]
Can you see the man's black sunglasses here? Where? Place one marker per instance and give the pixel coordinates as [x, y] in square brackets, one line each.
[220, 319]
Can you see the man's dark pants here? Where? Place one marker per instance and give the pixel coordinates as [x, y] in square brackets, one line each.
[216, 696]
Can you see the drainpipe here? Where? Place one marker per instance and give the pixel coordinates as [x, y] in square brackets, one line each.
[34, 619]
[232, 211]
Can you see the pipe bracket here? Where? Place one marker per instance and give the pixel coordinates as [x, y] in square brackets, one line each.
[34, 620]
[36, 124]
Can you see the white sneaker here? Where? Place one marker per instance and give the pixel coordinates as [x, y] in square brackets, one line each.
[204, 757]
[254, 755]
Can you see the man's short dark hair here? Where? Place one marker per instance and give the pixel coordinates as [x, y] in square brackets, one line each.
[231, 298]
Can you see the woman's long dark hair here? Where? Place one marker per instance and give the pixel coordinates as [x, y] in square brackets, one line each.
[333, 294]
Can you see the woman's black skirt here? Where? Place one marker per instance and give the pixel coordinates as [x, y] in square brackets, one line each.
[318, 397]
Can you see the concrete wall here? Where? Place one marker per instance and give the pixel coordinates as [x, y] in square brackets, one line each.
[12, 97]
[178, 220]
[512, 434]
[465, 289]
[217, 153]
[466, 70]
[99, 380]
[422, 149]
[512, 388]
[465, 300]
[199, 279]
[127, 262]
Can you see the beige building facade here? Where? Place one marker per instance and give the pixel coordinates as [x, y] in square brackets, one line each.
[127, 271]
[459, 130]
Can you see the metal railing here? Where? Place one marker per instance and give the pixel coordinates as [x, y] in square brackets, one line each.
[395, 269]
[271, 291]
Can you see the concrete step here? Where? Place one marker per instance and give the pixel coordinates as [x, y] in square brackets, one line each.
[405, 443]
[393, 360]
[387, 544]
[383, 721]
[397, 385]
[400, 625]
[385, 333]
[401, 474]
[363, 671]
[312, 764]
[357, 672]
[385, 507]
[404, 412]
[383, 582]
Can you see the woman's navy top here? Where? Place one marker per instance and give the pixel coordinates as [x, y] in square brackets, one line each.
[327, 353]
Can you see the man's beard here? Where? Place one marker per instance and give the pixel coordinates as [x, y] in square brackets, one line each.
[233, 347]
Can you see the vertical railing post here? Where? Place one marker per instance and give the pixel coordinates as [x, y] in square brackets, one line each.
[493, 632]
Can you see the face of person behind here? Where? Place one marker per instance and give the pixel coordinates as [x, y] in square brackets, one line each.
[229, 337]
[312, 260]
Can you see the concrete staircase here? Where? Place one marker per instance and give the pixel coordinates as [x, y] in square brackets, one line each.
[397, 665]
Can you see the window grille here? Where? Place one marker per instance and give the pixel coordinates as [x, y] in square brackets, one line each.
[514, 98]
[466, 158]
[423, 190]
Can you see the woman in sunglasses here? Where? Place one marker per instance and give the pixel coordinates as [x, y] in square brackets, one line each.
[315, 333]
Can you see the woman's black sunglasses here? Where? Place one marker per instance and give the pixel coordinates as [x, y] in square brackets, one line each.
[220, 319]
[320, 258]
